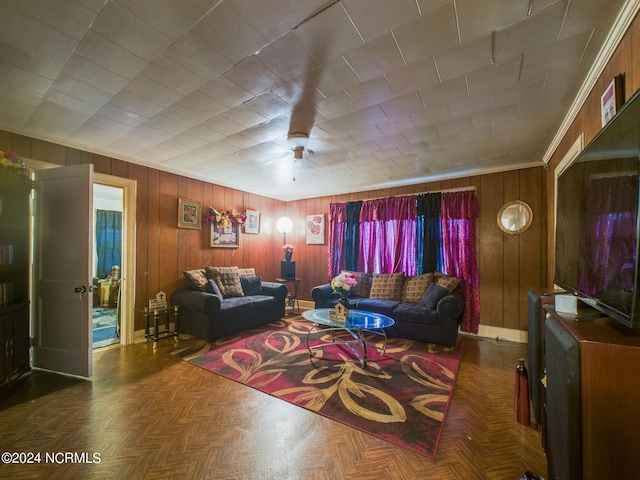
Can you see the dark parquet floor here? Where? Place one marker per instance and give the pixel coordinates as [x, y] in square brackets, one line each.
[147, 415]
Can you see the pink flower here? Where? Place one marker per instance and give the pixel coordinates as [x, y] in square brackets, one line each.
[288, 247]
[343, 283]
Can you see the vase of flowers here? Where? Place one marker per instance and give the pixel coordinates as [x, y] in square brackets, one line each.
[288, 251]
[342, 285]
[287, 267]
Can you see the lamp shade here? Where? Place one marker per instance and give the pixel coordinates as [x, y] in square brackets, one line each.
[284, 225]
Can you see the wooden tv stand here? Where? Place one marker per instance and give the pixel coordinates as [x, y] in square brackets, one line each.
[593, 393]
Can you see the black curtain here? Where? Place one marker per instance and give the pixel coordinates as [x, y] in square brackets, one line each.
[429, 250]
[353, 235]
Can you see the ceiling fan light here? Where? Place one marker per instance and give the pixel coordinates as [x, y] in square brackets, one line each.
[297, 153]
[298, 140]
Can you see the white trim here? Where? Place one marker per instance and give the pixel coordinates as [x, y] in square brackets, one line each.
[499, 333]
[620, 27]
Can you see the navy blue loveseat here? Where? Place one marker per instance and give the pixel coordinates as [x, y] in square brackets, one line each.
[208, 313]
[430, 314]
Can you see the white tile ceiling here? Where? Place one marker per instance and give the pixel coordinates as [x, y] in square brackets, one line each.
[390, 92]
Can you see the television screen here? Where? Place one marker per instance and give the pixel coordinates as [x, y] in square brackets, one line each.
[597, 221]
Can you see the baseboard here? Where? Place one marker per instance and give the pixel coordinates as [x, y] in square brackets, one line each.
[307, 304]
[499, 333]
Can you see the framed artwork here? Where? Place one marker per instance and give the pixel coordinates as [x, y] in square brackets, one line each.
[224, 237]
[315, 229]
[612, 98]
[252, 224]
[188, 214]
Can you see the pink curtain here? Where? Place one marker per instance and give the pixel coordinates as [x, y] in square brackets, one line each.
[459, 213]
[388, 235]
[337, 230]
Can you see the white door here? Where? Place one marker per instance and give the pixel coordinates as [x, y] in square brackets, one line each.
[62, 269]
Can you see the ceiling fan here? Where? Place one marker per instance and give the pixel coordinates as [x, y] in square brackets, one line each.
[298, 142]
[311, 33]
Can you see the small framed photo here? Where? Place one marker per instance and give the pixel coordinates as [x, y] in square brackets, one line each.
[188, 214]
[612, 98]
[315, 229]
[224, 237]
[252, 224]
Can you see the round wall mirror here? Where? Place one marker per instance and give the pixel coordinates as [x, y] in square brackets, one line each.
[515, 217]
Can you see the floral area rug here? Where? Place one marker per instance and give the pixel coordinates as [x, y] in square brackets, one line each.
[401, 397]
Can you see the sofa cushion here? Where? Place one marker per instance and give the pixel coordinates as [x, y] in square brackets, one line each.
[414, 287]
[363, 287]
[251, 285]
[385, 307]
[212, 287]
[387, 286]
[234, 307]
[433, 295]
[227, 279]
[247, 272]
[450, 283]
[196, 279]
[415, 313]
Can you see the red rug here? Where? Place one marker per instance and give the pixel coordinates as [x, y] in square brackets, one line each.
[401, 397]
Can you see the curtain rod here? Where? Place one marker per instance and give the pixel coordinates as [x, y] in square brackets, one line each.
[447, 190]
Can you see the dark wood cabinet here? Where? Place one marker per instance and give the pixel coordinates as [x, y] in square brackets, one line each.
[15, 221]
[592, 398]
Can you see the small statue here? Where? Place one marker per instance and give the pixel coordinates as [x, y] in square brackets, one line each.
[115, 275]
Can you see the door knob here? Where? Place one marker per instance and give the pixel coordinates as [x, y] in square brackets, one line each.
[81, 289]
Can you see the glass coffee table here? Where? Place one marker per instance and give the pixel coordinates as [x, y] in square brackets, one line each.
[356, 325]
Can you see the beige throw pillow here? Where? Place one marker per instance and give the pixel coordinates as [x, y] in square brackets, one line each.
[247, 272]
[227, 279]
[196, 279]
[414, 287]
[387, 286]
[450, 283]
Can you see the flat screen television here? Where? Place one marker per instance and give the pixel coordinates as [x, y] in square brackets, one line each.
[597, 230]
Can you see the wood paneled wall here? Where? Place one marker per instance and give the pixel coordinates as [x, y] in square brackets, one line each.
[164, 251]
[626, 60]
[508, 265]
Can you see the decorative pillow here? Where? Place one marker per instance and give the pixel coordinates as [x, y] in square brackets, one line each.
[196, 279]
[228, 280]
[450, 283]
[432, 296]
[251, 285]
[387, 286]
[247, 272]
[414, 287]
[363, 286]
[212, 287]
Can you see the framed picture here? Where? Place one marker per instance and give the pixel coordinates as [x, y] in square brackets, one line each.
[252, 225]
[612, 98]
[315, 229]
[224, 237]
[188, 214]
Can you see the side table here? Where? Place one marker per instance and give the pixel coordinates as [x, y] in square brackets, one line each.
[293, 300]
[156, 313]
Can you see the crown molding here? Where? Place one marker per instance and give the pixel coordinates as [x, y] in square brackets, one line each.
[620, 27]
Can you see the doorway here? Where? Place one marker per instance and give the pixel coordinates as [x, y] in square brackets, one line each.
[122, 193]
[108, 208]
